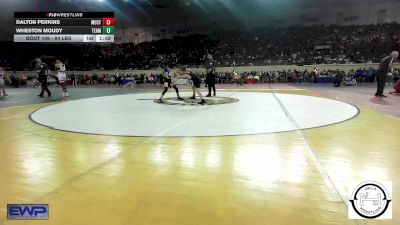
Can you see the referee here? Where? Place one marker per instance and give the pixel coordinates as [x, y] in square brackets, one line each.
[43, 70]
[385, 67]
[210, 82]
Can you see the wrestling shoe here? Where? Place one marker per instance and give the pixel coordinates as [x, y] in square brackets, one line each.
[160, 101]
[193, 97]
[202, 102]
[181, 99]
[384, 96]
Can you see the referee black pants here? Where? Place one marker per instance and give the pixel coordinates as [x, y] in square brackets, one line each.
[209, 88]
[43, 84]
[381, 78]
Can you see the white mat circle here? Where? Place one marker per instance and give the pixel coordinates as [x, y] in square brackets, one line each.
[138, 115]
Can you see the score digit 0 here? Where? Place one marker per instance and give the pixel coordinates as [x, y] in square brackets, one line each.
[108, 21]
[108, 30]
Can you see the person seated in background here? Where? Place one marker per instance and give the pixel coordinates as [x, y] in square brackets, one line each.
[396, 86]
[94, 79]
[257, 76]
[350, 81]
[313, 75]
[117, 79]
[359, 73]
[36, 83]
[338, 79]
[237, 78]
[370, 74]
[88, 79]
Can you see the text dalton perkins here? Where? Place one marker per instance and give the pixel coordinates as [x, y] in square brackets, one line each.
[37, 22]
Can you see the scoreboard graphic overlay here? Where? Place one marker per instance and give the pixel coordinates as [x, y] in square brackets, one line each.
[64, 26]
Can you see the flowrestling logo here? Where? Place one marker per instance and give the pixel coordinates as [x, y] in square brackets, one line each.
[27, 212]
[370, 200]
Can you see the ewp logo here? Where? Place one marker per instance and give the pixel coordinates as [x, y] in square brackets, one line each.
[27, 212]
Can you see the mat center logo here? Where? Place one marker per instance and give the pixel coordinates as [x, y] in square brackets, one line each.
[371, 200]
[194, 102]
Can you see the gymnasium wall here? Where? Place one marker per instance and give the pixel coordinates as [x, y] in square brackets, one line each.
[345, 67]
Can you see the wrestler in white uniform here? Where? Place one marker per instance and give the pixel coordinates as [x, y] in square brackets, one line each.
[62, 78]
[61, 75]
